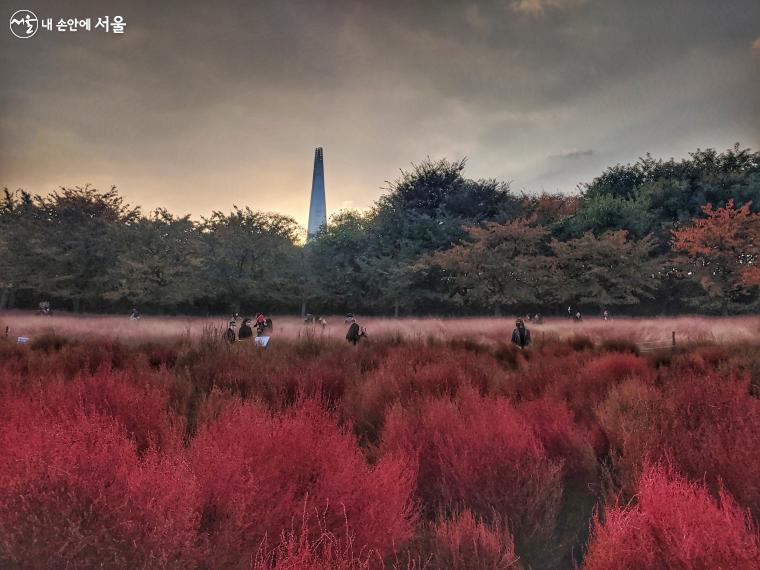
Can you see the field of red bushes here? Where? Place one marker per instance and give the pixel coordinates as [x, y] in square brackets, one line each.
[408, 451]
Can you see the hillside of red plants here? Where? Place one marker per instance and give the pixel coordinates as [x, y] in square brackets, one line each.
[400, 453]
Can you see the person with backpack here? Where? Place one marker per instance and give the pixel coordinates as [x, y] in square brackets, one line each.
[521, 335]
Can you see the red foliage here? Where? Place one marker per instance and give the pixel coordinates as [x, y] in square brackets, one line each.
[409, 373]
[557, 364]
[73, 493]
[466, 542]
[562, 439]
[259, 473]
[674, 524]
[326, 551]
[593, 382]
[712, 432]
[481, 435]
[479, 453]
[706, 424]
[277, 377]
[719, 248]
[138, 401]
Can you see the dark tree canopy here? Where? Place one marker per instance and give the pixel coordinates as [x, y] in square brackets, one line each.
[434, 242]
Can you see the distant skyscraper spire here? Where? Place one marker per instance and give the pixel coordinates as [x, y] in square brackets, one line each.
[317, 208]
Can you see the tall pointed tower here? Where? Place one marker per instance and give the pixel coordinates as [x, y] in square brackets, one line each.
[317, 208]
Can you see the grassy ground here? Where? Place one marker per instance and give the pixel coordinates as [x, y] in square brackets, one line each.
[688, 329]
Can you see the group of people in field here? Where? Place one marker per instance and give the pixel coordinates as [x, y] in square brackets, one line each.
[261, 323]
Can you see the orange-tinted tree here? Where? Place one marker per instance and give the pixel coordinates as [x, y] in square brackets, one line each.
[722, 251]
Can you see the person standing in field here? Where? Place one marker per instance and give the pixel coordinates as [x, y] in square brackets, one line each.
[521, 335]
[245, 331]
[355, 333]
[229, 334]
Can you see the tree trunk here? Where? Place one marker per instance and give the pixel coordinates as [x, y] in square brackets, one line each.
[395, 309]
[4, 298]
[497, 311]
[75, 304]
[303, 307]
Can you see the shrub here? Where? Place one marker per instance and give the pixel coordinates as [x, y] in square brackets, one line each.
[619, 345]
[138, 402]
[703, 423]
[579, 343]
[562, 440]
[596, 378]
[49, 342]
[299, 550]
[632, 417]
[546, 372]
[74, 494]
[410, 373]
[673, 524]
[713, 424]
[277, 376]
[466, 542]
[258, 473]
[478, 453]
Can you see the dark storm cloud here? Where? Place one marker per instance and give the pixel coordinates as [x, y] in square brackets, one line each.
[200, 105]
[573, 154]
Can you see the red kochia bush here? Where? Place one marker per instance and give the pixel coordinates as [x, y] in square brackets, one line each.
[478, 453]
[713, 432]
[138, 401]
[707, 425]
[74, 494]
[326, 551]
[411, 372]
[675, 524]
[260, 473]
[466, 542]
[595, 379]
[552, 423]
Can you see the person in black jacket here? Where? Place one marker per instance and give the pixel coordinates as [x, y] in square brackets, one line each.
[245, 330]
[355, 332]
[521, 335]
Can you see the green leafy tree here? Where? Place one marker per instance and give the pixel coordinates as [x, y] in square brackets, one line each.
[334, 262]
[609, 270]
[499, 264]
[18, 216]
[162, 262]
[425, 211]
[76, 244]
[252, 259]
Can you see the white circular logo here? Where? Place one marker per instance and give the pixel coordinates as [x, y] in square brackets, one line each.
[24, 24]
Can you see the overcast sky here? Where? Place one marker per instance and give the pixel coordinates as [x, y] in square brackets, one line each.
[202, 105]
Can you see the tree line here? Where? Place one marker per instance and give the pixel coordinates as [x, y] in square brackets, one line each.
[652, 237]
